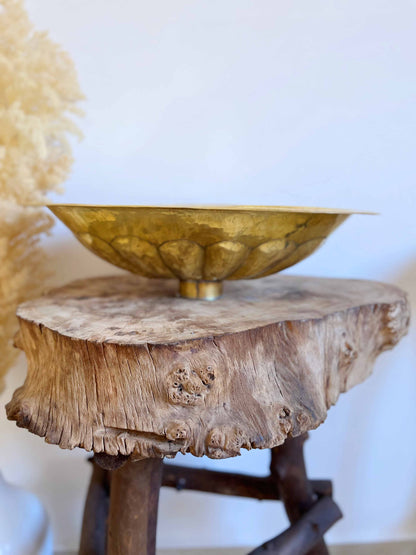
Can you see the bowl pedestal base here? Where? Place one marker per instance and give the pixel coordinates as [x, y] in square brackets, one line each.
[206, 290]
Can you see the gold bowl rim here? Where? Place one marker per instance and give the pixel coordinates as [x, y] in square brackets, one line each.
[220, 207]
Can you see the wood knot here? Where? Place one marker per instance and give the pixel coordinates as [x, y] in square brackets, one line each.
[225, 441]
[348, 353]
[177, 430]
[303, 420]
[189, 387]
[284, 412]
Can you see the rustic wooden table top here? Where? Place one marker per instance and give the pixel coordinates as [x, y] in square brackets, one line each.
[121, 365]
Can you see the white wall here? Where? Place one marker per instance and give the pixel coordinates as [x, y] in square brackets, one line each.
[266, 102]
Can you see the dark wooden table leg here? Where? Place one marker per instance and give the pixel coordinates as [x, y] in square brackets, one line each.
[94, 524]
[310, 515]
[288, 468]
[305, 533]
[133, 508]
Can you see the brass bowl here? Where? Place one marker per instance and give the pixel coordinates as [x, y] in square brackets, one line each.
[200, 246]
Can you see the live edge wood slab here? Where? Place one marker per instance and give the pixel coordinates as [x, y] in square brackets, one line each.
[122, 366]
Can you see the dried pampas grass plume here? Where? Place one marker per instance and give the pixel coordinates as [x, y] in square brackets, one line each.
[38, 95]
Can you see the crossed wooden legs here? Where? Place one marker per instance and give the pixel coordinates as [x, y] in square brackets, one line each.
[310, 513]
[121, 509]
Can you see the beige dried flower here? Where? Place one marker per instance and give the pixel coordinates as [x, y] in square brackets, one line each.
[38, 95]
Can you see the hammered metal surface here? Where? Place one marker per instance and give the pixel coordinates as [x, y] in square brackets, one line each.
[200, 244]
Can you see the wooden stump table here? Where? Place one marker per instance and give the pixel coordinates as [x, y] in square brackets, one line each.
[123, 367]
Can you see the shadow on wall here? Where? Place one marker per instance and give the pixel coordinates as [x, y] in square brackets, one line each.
[69, 260]
[406, 279]
[377, 457]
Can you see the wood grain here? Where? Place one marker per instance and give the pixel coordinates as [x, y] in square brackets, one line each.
[120, 365]
[133, 508]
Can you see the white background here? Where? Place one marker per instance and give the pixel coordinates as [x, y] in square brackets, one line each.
[252, 102]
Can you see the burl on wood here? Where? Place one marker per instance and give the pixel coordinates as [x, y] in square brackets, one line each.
[121, 365]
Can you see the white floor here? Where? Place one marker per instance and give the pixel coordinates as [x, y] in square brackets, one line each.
[396, 548]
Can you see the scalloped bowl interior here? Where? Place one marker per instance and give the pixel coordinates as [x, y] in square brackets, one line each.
[200, 246]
